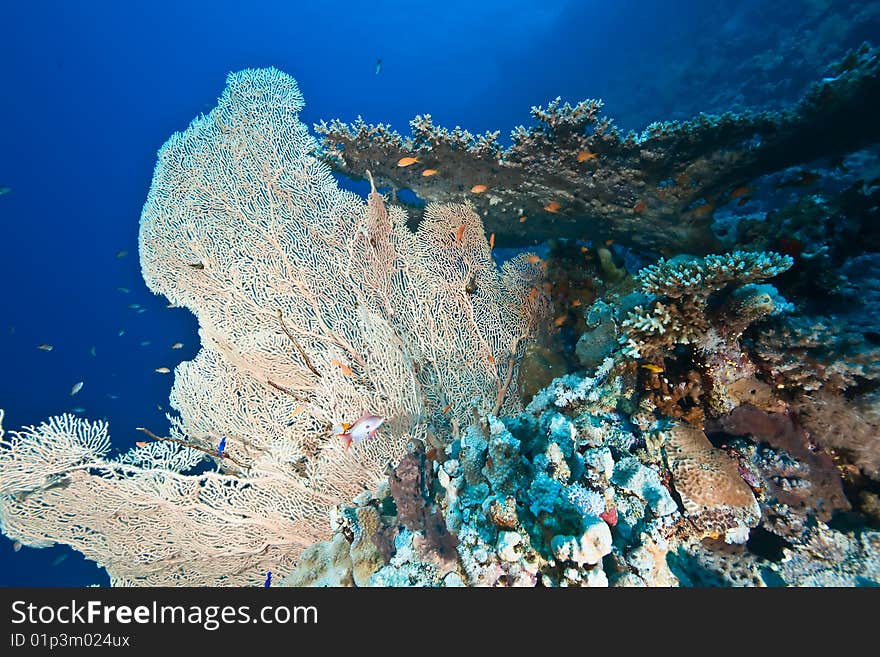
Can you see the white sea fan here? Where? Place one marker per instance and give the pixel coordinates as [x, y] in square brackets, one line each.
[313, 308]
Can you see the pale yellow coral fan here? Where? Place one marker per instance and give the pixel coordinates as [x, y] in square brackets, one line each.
[314, 308]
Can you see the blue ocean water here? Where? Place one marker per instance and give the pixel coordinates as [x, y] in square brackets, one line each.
[91, 90]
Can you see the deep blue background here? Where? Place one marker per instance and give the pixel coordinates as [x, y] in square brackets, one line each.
[90, 91]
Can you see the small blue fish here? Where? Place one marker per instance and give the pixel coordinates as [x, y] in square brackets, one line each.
[222, 446]
[378, 66]
[268, 582]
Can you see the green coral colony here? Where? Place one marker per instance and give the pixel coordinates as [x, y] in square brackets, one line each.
[663, 400]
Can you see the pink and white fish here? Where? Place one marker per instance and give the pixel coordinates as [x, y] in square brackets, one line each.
[365, 427]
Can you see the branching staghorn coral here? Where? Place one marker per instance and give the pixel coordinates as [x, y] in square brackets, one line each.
[314, 309]
[573, 174]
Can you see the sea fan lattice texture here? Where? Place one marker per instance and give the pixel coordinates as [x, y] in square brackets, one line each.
[314, 308]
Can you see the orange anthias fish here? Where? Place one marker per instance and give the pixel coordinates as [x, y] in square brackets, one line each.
[553, 206]
[651, 367]
[640, 206]
[346, 370]
[429, 172]
[740, 191]
[479, 189]
[459, 233]
[407, 161]
[522, 220]
[491, 241]
[365, 427]
[559, 321]
[533, 259]
[703, 210]
[583, 156]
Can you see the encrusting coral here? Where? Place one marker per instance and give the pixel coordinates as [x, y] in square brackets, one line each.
[314, 309]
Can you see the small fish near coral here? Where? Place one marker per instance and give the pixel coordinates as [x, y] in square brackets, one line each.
[364, 427]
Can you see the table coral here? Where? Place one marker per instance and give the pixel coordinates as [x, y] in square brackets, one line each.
[684, 287]
[574, 174]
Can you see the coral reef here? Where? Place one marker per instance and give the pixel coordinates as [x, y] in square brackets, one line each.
[806, 353]
[314, 309]
[575, 175]
[536, 499]
[579, 418]
[833, 558]
[846, 427]
[714, 496]
[756, 68]
[706, 303]
[799, 483]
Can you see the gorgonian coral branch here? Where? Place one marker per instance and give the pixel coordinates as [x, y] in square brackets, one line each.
[315, 309]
